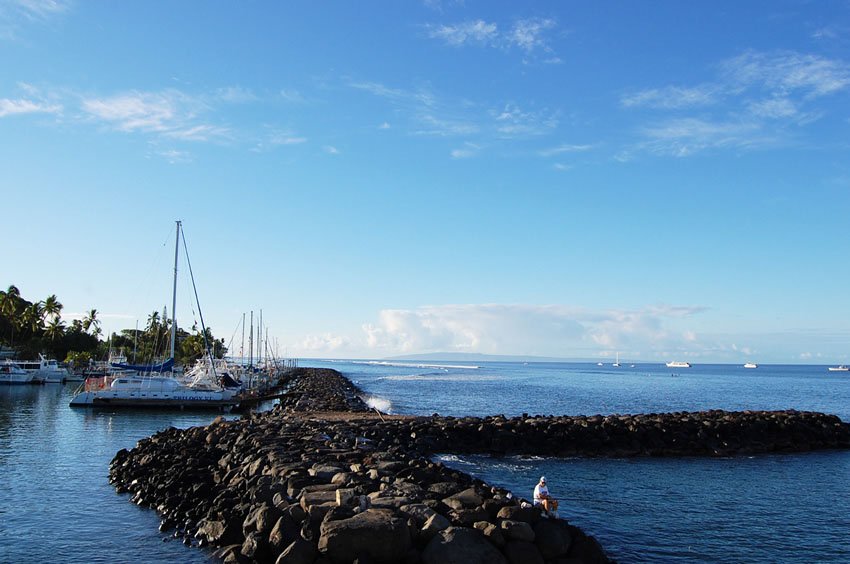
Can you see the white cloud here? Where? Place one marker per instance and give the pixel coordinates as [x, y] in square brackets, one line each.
[331, 150]
[469, 150]
[18, 107]
[564, 148]
[236, 95]
[552, 330]
[528, 34]
[687, 136]
[773, 108]
[672, 97]
[169, 113]
[384, 125]
[325, 343]
[286, 139]
[291, 95]
[787, 71]
[512, 121]
[174, 156]
[562, 167]
[477, 31]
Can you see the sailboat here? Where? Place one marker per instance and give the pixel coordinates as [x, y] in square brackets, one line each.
[155, 385]
[617, 363]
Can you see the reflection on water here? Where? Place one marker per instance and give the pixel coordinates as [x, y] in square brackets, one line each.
[56, 502]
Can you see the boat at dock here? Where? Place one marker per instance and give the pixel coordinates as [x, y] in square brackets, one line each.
[841, 368]
[678, 364]
[159, 385]
[44, 371]
[11, 373]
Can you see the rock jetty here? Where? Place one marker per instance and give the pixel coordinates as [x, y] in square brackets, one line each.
[321, 479]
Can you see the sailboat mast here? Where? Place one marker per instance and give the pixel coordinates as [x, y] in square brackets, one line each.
[174, 294]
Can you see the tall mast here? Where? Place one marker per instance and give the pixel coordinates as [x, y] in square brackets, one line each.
[174, 295]
[251, 341]
[242, 349]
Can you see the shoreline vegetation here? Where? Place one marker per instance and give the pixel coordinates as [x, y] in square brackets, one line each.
[322, 478]
[28, 329]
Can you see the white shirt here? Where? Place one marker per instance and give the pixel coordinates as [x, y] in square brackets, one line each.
[539, 492]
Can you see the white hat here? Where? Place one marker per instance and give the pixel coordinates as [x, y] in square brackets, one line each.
[542, 478]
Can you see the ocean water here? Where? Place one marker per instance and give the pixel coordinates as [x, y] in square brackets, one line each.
[56, 503]
[766, 508]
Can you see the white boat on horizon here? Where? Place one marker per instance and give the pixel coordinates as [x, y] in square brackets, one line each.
[11, 373]
[160, 385]
[617, 362]
[678, 364]
[751, 365]
[840, 368]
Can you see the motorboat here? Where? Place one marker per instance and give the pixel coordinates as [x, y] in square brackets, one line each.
[44, 371]
[11, 373]
[751, 365]
[678, 364]
[841, 368]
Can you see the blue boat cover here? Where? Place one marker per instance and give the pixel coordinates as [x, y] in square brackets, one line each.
[163, 367]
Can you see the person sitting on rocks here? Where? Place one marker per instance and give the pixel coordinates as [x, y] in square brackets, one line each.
[543, 499]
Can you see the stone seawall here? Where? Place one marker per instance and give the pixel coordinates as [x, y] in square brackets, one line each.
[323, 480]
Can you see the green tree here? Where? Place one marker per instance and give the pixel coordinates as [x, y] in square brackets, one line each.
[54, 329]
[52, 307]
[91, 322]
[9, 307]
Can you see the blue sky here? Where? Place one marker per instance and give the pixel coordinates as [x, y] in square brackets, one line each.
[667, 180]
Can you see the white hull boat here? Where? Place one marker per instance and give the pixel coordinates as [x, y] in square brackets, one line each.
[44, 370]
[841, 368]
[751, 365]
[157, 386]
[150, 391]
[678, 364]
[11, 373]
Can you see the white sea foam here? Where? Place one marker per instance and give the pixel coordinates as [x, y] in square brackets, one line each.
[440, 378]
[416, 364]
[381, 404]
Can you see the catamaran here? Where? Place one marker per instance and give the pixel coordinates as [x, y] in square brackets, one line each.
[157, 385]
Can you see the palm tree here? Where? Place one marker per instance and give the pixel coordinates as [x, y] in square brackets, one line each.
[52, 307]
[91, 321]
[9, 307]
[56, 328]
[33, 317]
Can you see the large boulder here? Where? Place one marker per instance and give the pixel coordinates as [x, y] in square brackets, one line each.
[522, 552]
[552, 538]
[459, 545]
[299, 552]
[467, 499]
[377, 534]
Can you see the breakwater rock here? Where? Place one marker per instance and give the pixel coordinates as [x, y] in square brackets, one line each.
[322, 480]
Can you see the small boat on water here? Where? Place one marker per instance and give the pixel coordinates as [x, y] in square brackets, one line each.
[11, 373]
[44, 371]
[841, 368]
[617, 362]
[751, 365]
[678, 364]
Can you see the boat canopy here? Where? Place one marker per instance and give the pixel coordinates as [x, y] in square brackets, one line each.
[163, 367]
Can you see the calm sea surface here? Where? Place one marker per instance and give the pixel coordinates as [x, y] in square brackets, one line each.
[56, 503]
